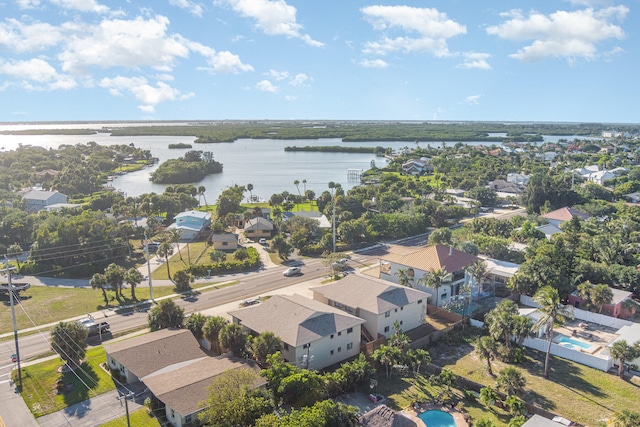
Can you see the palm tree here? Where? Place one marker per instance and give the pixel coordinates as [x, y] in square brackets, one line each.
[434, 279]
[403, 278]
[14, 251]
[516, 406]
[487, 348]
[165, 250]
[622, 351]
[174, 235]
[297, 184]
[133, 277]
[250, 188]
[387, 355]
[99, 281]
[552, 311]
[488, 396]
[625, 418]
[115, 276]
[511, 381]
[304, 183]
[478, 271]
[522, 328]
[418, 357]
[211, 332]
[234, 339]
[201, 191]
[601, 295]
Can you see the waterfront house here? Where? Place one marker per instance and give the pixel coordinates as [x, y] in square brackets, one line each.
[258, 227]
[38, 199]
[422, 262]
[417, 166]
[314, 335]
[376, 301]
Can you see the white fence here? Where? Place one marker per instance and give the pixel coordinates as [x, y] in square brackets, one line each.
[601, 363]
[587, 316]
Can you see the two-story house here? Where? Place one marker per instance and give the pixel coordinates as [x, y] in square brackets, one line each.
[36, 200]
[192, 223]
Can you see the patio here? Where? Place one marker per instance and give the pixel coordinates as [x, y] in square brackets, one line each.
[597, 336]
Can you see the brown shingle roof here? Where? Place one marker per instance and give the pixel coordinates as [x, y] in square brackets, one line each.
[295, 319]
[434, 258]
[182, 387]
[383, 416]
[151, 352]
[370, 294]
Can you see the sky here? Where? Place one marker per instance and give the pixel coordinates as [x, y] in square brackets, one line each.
[482, 60]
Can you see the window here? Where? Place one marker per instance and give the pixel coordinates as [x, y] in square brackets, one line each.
[331, 336]
[339, 349]
[338, 305]
[419, 301]
[285, 346]
[306, 345]
[396, 310]
[387, 314]
[349, 346]
[187, 419]
[350, 330]
[386, 329]
[401, 308]
[340, 333]
[401, 322]
[225, 243]
[331, 352]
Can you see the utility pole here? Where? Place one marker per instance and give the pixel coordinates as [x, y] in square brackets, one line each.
[146, 251]
[13, 318]
[126, 397]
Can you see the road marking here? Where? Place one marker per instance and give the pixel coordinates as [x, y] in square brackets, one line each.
[7, 366]
[4, 382]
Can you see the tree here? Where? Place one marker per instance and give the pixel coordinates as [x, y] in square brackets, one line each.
[404, 279]
[488, 396]
[280, 245]
[487, 348]
[516, 406]
[440, 236]
[165, 250]
[167, 314]
[511, 381]
[483, 423]
[325, 413]
[68, 340]
[297, 184]
[250, 190]
[418, 357]
[182, 279]
[434, 279]
[133, 277]
[201, 191]
[500, 321]
[447, 378]
[478, 271]
[173, 236]
[601, 295]
[263, 345]
[387, 356]
[303, 388]
[211, 332]
[234, 339]
[14, 251]
[552, 311]
[622, 351]
[115, 276]
[522, 328]
[625, 418]
[517, 421]
[99, 281]
[234, 399]
[195, 323]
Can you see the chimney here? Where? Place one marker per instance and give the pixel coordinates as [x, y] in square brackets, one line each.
[450, 250]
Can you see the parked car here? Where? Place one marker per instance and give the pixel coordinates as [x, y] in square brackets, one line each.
[292, 271]
[340, 264]
[263, 241]
[378, 399]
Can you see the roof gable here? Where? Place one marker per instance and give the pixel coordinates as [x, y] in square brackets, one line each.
[565, 214]
[433, 258]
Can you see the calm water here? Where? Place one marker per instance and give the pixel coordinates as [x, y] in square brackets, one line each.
[261, 162]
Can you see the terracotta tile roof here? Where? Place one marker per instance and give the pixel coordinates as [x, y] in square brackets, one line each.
[370, 294]
[565, 214]
[182, 387]
[295, 319]
[433, 258]
[151, 352]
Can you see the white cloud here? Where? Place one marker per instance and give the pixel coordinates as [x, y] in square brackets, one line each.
[81, 5]
[227, 62]
[36, 74]
[591, 3]
[561, 34]
[374, 63]
[277, 75]
[299, 80]
[273, 18]
[28, 38]
[290, 98]
[148, 96]
[476, 60]
[266, 86]
[431, 27]
[28, 4]
[472, 100]
[192, 7]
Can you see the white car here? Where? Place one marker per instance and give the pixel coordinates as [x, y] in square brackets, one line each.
[340, 264]
[292, 271]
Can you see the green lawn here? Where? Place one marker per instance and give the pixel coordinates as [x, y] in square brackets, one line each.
[39, 381]
[139, 418]
[575, 391]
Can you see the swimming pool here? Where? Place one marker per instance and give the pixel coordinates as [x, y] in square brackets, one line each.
[436, 418]
[574, 343]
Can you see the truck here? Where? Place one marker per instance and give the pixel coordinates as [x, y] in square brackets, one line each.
[17, 287]
[93, 327]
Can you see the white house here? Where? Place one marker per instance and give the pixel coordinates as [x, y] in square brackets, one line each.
[518, 178]
[376, 301]
[192, 223]
[314, 335]
[36, 200]
[422, 262]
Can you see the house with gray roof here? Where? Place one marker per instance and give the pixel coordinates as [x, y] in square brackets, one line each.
[258, 227]
[378, 302]
[38, 199]
[313, 335]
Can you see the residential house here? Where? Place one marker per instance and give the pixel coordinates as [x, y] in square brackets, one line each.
[323, 221]
[417, 166]
[376, 301]
[224, 242]
[419, 263]
[510, 188]
[498, 273]
[192, 224]
[631, 334]
[39, 199]
[383, 416]
[561, 215]
[258, 227]
[518, 178]
[314, 335]
[540, 421]
[174, 368]
[632, 197]
[614, 309]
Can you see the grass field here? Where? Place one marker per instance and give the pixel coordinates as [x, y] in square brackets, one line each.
[139, 418]
[575, 391]
[39, 389]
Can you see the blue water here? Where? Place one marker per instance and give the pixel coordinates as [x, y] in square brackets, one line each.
[577, 343]
[436, 418]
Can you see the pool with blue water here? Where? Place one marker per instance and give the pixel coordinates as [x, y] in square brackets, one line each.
[436, 418]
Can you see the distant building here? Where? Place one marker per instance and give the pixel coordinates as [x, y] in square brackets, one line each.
[561, 215]
[192, 224]
[417, 166]
[502, 186]
[36, 200]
